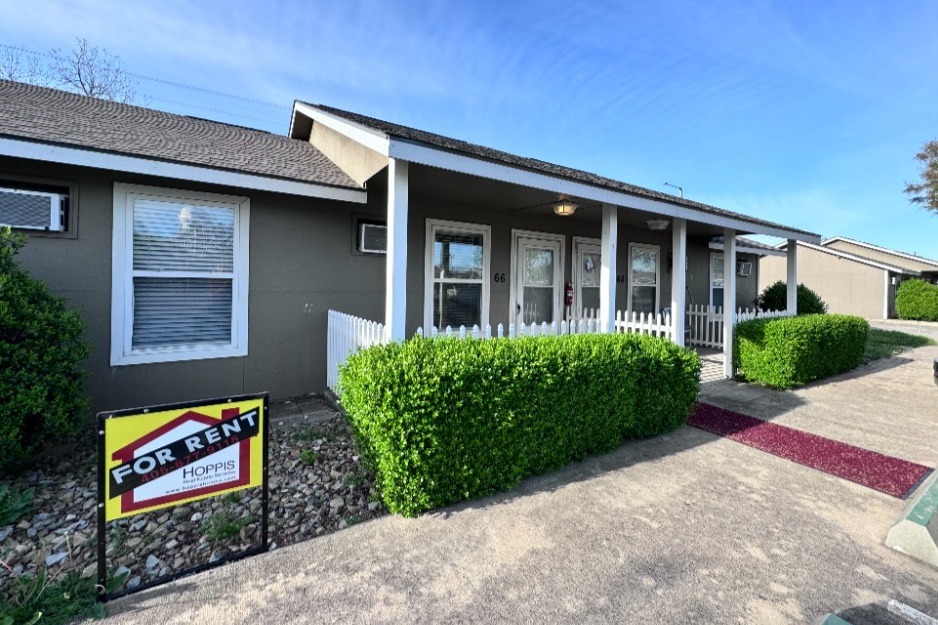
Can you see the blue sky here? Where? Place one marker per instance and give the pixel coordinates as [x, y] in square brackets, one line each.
[806, 113]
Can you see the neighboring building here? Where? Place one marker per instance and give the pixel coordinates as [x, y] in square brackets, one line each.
[204, 257]
[852, 277]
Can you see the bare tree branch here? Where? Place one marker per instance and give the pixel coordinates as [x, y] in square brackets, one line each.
[17, 65]
[92, 72]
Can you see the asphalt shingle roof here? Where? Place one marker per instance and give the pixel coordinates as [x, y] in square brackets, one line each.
[471, 149]
[58, 117]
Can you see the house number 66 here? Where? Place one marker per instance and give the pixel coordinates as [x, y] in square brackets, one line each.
[499, 277]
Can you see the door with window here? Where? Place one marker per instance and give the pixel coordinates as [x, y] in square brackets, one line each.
[644, 278]
[537, 277]
[716, 279]
[587, 263]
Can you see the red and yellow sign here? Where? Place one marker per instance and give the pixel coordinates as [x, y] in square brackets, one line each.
[170, 455]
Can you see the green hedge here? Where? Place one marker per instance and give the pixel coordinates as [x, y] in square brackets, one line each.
[791, 351]
[917, 299]
[444, 420]
[41, 357]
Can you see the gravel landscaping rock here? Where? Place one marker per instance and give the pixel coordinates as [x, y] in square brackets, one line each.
[310, 496]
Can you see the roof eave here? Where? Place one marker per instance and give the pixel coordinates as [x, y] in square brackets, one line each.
[88, 157]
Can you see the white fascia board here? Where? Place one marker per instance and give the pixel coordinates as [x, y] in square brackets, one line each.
[415, 153]
[137, 165]
[859, 259]
[884, 250]
[745, 249]
[371, 139]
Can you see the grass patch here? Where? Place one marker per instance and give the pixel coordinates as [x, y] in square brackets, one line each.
[221, 526]
[327, 432]
[886, 343]
[14, 505]
[46, 598]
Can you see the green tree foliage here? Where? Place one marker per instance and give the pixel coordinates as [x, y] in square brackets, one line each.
[775, 297]
[444, 420]
[917, 299]
[41, 353]
[925, 192]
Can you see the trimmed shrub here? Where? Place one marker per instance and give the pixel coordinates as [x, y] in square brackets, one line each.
[917, 299]
[444, 420]
[775, 297]
[791, 351]
[41, 351]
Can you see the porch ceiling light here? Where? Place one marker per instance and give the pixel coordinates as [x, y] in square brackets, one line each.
[658, 224]
[565, 208]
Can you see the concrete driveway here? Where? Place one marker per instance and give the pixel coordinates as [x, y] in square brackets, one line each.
[684, 528]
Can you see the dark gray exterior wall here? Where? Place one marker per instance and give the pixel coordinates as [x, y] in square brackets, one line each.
[301, 264]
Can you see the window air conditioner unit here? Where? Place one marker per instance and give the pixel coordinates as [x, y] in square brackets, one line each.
[33, 210]
[373, 239]
[744, 269]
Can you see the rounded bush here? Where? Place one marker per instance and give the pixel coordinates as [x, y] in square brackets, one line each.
[41, 352]
[918, 300]
[775, 297]
[444, 420]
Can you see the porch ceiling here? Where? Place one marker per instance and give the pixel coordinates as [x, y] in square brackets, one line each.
[492, 196]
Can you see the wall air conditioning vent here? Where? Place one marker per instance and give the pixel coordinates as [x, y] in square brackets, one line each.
[32, 210]
[373, 238]
[744, 269]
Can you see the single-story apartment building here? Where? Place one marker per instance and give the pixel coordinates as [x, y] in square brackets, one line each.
[205, 257]
[852, 277]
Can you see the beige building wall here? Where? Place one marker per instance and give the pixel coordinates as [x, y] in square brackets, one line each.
[846, 286]
[883, 257]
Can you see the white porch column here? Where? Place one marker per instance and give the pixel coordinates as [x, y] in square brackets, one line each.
[395, 302]
[607, 272]
[792, 279]
[729, 300]
[678, 279]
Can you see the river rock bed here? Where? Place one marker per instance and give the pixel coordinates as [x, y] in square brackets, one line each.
[318, 484]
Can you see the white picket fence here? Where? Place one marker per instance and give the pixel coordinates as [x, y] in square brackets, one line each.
[346, 334]
[640, 323]
[705, 323]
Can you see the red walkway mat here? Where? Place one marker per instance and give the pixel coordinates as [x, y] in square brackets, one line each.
[886, 474]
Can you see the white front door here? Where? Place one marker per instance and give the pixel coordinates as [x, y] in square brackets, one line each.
[537, 277]
[587, 264]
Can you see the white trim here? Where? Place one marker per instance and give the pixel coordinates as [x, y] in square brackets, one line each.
[884, 250]
[559, 269]
[443, 159]
[885, 295]
[859, 259]
[395, 300]
[581, 245]
[609, 256]
[745, 249]
[368, 137]
[122, 276]
[729, 295]
[791, 278]
[646, 246]
[456, 227]
[678, 280]
[193, 173]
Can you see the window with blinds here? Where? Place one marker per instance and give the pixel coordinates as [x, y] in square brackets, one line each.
[184, 284]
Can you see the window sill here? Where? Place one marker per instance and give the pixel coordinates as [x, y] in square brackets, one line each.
[177, 354]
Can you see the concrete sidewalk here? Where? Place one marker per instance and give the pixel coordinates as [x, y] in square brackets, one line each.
[683, 528]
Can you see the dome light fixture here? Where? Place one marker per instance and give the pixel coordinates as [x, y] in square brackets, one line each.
[658, 224]
[565, 208]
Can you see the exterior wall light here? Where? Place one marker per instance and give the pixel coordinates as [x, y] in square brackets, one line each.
[658, 224]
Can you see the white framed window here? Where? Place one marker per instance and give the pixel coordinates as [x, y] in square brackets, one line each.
[644, 277]
[717, 281]
[179, 275]
[587, 256]
[456, 291]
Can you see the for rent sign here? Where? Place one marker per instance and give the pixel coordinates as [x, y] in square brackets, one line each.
[168, 455]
